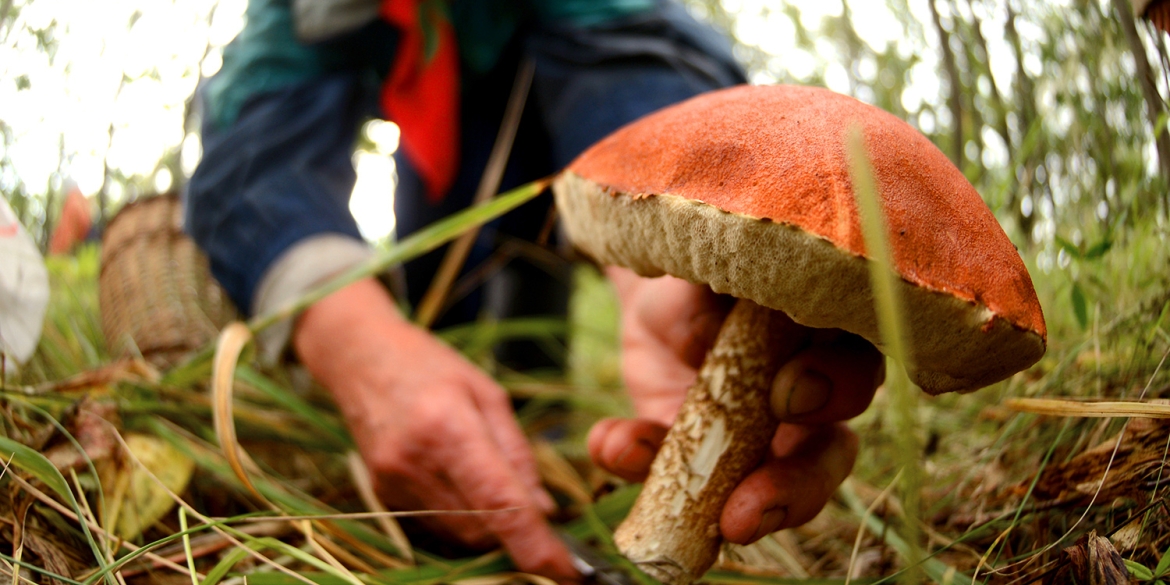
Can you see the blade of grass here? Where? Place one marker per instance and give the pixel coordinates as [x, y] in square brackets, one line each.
[267, 542]
[231, 342]
[436, 295]
[13, 562]
[477, 337]
[1104, 474]
[413, 246]
[365, 488]
[324, 555]
[135, 551]
[934, 568]
[288, 498]
[38, 466]
[609, 510]
[295, 404]
[889, 308]
[105, 541]
[223, 566]
[734, 578]
[187, 545]
[864, 518]
[41, 468]
[234, 535]
[146, 550]
[1027, 496]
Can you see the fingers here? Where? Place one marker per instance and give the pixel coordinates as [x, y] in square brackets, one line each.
[683, 317]
[625, 447]
[484, 478]
[830, 381]
[439, 495]
[435, 432]
[790, 490]
[668, 325]
[505, 431]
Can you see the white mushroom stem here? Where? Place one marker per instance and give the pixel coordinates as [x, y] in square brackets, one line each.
[721, 433]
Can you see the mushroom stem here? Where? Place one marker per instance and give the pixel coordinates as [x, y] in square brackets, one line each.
[720, 435]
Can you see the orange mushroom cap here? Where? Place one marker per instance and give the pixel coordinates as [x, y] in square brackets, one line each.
[748, 190]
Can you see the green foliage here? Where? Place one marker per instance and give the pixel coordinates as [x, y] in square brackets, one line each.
[1052, 121]
[71, 340]
[1157, 576]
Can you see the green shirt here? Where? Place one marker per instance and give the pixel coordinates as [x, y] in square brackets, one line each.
[267, 56]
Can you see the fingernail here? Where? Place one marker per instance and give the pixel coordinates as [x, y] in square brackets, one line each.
[636, 457]
[796, 391]
[770, 522]
[544, 501]
[809, 394]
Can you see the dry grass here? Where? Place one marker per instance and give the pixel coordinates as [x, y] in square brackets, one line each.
[1005, 497]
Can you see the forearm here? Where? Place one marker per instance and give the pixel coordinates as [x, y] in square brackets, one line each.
[298, 270]
[667, 326]
[345, 340]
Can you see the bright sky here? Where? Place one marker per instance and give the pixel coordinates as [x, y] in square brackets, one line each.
[73, 98]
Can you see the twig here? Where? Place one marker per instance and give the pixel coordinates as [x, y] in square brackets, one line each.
[230, 343]
[374, 515]
[861, 526]
[365, 488]
[436, 295]
[203, 545]
[1088, 409]
[1100, 484]
[205, 519]
[66, 512]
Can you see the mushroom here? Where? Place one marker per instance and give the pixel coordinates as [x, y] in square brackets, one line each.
[748, 191]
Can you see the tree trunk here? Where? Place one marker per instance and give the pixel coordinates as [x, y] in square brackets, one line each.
[1154, 104]
[997, 104]
[955, 100]
[1026, 100]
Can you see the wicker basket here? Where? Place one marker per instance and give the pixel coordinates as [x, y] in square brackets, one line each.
[156, 292]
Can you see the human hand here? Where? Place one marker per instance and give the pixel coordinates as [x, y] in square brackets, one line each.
[435, 432]
[667, 326]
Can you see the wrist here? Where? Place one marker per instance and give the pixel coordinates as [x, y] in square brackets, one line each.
[346, 339]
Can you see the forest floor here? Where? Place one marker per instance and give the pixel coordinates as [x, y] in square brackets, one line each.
[1005, 496]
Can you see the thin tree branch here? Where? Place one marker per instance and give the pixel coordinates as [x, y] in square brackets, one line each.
[1026, 114]
[1145, 74]
[997, 103]
[955, 100]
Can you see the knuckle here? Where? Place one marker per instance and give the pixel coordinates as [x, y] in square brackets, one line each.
[433, 422]
[511, 524]
[387, 462]
[498, 497]
[494, 396]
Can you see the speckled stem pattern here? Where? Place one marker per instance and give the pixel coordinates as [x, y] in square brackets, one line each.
[721, 433]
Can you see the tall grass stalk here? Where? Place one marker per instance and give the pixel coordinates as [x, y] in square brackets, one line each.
[415, 245]
[889, 307]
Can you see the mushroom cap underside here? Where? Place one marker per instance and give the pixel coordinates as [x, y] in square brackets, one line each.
[748, 190]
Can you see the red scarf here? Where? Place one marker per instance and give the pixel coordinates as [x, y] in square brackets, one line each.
[421, 94]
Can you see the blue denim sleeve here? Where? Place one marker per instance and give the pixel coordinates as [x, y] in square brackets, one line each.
[592, 80]
[280, 173]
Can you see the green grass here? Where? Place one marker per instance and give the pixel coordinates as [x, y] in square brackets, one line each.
[979, 463]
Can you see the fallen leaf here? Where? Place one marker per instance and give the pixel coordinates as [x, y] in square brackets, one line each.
[134, 499]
